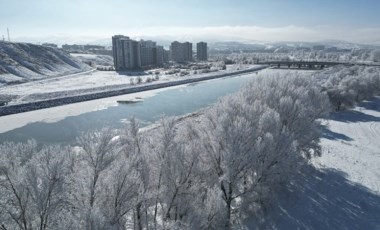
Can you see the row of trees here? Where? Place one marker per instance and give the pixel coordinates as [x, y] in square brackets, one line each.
[209, 172]
[347, 86]
[139, 80]
[355, 55]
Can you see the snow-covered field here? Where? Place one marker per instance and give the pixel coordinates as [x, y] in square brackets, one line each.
[95, 59]
[352, 144]
[68, 83]
[342, 190]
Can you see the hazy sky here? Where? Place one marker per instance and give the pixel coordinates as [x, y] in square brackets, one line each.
[242, 20]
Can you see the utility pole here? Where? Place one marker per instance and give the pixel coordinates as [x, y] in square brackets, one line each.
[9, 38]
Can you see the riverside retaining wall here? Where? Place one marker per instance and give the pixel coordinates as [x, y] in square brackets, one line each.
[20, 108]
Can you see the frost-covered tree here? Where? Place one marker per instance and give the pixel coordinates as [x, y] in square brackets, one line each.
[96, 153]
[132, 143]
[46, 179]
[122, 194]
[179, 169]
[164, 148]
[32, 184]
[230, 161]
[237, 140]
[348, 86]
[15, 197]
[299, 102]
[257, 138]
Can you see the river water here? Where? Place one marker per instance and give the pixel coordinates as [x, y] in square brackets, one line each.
[175, 101]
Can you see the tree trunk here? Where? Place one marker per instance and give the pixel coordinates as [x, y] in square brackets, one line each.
[138, 213]
[92, 192]
[167, 216]
[228, 218]
[228, 200]
[156, 205]
[146, 219]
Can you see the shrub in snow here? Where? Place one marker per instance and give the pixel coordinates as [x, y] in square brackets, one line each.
[183, 73]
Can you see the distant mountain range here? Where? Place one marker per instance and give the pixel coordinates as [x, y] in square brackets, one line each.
[288, 45]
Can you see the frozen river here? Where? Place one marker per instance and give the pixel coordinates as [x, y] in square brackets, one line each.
[65, 123]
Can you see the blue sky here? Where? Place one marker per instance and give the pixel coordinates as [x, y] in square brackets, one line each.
[288, 20]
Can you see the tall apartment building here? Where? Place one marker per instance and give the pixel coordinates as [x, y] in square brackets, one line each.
[130, 54]
[202, 51]
[127, 54]
[166, 56]
[188, 51]
[176, 52]
[159, 53]
[181, 52]
[116, 51]
[148, 53]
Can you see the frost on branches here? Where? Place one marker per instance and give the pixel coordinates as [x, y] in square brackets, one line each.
[348, 86]
[206, 173]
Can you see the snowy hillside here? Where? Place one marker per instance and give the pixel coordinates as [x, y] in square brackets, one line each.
[20, 62]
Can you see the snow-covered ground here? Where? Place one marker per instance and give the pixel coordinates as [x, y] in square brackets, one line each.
[352, 144]
[342, 190]
[92, 82]
[68, 83]
[94, 59]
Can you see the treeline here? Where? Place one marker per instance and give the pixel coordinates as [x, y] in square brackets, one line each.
[283, 54]
[210, 172]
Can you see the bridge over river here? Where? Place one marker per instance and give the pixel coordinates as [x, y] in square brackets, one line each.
[302, 64]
